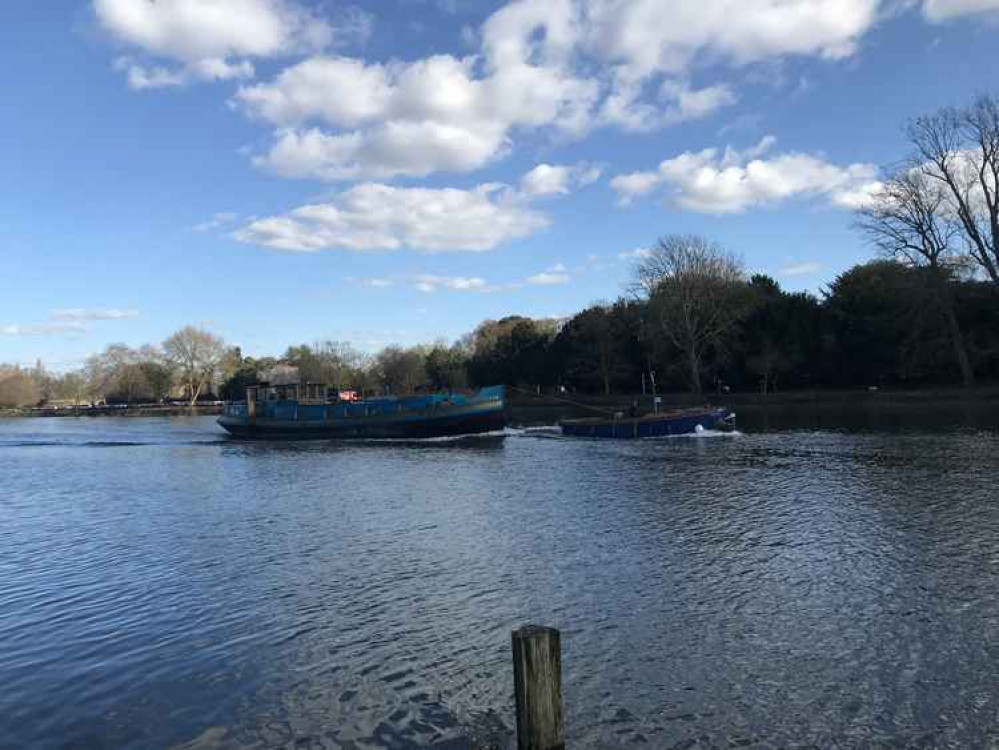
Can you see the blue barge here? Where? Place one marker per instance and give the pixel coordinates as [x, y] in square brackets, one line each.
[306, 411]
[651, 425]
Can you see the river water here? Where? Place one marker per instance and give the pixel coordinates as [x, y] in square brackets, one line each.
[162, 586]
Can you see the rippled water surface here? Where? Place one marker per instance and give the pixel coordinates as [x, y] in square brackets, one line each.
[163, 586]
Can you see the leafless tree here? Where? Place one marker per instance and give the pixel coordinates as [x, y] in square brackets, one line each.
[910, 219]
[18, 387]
[197, 355]
[72, 386]
[957, 151]
[697, 296]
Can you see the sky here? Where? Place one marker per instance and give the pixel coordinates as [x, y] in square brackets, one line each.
[284, 171]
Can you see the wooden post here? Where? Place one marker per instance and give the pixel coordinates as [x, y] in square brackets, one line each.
[537, 681]
[251, 404]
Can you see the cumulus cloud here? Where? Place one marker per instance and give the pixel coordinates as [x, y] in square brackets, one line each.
[81, 314]
[429, 283]
[373, 217]
[549, 179]
[732, 181]
[938, 11]
[341, 118]
[215, 39]
[736, 31]
[550, 277]
[413, 149]
[563, 65]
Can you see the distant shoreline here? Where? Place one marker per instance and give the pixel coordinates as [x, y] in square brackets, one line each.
[115, 411]
[828, 397]
[523, 404]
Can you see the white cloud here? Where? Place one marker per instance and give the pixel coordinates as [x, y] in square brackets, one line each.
[217, 221]
[141, 77]
[214, 39]
[564, 65]
[548, 179]
[413, 149]
[800, 269]
[550, 277]
[628, 106]
[378, 283]
[938, 11]
[69, 328]
[635, 184]
[429, 283]
[736, 31]
[375, 217]
[732, 181]
[81, 314]
[411, 119]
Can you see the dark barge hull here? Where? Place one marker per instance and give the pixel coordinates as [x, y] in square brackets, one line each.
[438, 425]
[656, 425]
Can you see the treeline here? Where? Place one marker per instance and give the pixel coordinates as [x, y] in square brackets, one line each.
[878, 324]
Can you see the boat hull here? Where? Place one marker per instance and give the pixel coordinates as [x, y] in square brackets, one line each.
[659, 425]
[414, 418]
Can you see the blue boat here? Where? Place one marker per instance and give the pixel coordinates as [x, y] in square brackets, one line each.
[313, 411]
[681, 422]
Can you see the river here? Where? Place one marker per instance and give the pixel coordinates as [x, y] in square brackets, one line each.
[162, 586]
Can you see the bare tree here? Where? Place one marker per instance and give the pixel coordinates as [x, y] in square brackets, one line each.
[958, 151]
[697, 295]
[197, 355]
[909, 218]
[72, 386]
[18, 387]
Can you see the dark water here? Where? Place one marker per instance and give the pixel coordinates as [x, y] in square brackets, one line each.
[161, 586]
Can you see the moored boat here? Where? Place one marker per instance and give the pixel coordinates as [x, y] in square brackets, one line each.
[309, 411]
[663, 424]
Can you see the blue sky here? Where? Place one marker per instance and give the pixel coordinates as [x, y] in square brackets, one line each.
[281, 171]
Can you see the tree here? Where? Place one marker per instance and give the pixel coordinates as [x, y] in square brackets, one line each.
[72, 386]
[907, 218]
[196, 354]
[956, 151]
[402, 370]
[883, 328]
[158, 379]
[512, 350]
[446, 367]
[18, 387]
[697, 296]
[599, 348]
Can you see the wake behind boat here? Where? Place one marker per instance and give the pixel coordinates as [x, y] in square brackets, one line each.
[310, 410]
[663, 424]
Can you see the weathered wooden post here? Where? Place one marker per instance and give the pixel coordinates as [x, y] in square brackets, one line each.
[251, 404]
[537, 681]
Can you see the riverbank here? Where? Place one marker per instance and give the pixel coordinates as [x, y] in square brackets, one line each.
[529, 408]
[789, 409]
[118, 410]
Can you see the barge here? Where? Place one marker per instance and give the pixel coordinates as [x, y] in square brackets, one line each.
[663, 424]
[314, 411]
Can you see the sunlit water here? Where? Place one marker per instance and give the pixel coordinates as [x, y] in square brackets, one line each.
[163, 586]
